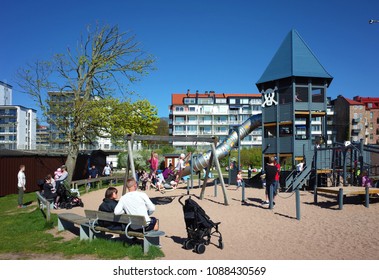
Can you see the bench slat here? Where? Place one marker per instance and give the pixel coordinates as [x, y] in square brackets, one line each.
[110, 217]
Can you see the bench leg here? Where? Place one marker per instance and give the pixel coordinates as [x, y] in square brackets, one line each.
[150, 241]
[85, 232]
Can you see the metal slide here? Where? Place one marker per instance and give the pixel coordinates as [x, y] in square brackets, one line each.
[224, 148]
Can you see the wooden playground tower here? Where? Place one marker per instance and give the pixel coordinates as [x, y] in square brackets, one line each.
[130, 138]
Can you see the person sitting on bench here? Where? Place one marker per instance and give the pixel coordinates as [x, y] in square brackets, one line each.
[137, 203]
[108, 205]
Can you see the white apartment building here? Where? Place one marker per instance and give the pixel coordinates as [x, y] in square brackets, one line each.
[5, 94]
[17, 123]
[17, 128]
[213, 114]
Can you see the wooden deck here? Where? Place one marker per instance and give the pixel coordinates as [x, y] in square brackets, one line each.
[348, 190]
[341, 192]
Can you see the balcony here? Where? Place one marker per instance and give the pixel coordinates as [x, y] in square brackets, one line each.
[355, 120]
[355, 131]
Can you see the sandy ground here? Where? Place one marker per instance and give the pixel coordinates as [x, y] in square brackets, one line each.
[250, 231]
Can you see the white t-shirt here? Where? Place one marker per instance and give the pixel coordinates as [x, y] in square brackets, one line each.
[135, 203]
[180, 165]
[21, 179]
[107, 170]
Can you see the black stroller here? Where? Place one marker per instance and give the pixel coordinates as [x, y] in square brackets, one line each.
[66, 198]
[199, 227]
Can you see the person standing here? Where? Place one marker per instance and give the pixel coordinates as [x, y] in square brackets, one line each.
[137, 203]
[107, 171]
[92, 173]
[239, 179]
[21, 185]
[271, 172]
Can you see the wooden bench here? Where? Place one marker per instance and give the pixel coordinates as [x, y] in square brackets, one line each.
[99, 182]
[44, 205]
[67, 221]
[149, 237]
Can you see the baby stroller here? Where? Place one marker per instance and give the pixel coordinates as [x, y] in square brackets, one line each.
[66, 198]
[199, 227]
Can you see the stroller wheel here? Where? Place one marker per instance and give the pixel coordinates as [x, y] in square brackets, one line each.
[81, 204]
[68, 206]
[200, 248]
[62, 205]
[221, 244]
[188, 244]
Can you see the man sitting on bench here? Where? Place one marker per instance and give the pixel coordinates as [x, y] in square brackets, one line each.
[137, 203]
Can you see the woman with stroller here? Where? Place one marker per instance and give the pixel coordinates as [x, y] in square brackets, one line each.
[49, 191]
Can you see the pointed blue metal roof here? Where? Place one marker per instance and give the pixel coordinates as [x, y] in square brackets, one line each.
[294, 59]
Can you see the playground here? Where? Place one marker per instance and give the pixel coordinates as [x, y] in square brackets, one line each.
[252, 231]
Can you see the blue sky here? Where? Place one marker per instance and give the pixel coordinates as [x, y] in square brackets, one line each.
[203, 45]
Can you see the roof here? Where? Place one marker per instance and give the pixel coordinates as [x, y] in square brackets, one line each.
[352, 102]
[294, 59]
[178, 98]
[369, 102]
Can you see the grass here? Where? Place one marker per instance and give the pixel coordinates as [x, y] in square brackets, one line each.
[25, 231]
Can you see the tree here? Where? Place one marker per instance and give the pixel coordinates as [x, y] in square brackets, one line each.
[100, 65]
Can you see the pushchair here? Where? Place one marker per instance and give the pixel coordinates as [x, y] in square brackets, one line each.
[199, 227]
[66, 198]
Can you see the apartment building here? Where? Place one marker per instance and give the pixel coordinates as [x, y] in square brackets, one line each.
[371, 118]
[212, 114]
[58, 136]
[17, 123]
[17, 127]
[351, 121]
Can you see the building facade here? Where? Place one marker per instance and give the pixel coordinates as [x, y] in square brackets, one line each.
[59, 135]
[357, 119]
[17, 127]
[212, 114]
[5, 94]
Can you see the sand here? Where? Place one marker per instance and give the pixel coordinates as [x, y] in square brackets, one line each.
[251, 231]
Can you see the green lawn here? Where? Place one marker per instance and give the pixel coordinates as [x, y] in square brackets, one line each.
[26, 231]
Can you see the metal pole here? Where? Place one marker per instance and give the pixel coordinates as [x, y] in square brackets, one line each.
[243, 192]
[271, 197]
[297, 204]
[367, 202]
[340, 198]
[215, 189]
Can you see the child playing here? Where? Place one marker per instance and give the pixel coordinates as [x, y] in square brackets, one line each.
[239, 179]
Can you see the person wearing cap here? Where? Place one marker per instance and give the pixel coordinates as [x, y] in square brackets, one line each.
[180, 166]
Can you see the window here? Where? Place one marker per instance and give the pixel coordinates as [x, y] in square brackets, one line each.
[192, 109]
[318, 95]
[179, 109]
[205, 101]
[179, 120]
[244, 101]
[220, 100]
[301, 94]
[301, 132]
[189, 101]
[232, 101]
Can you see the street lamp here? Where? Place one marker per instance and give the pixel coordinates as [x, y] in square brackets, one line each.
[371, 21]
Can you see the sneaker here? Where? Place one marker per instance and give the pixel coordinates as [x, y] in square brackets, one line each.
[55, 206]
[265, 202]
[21, 206]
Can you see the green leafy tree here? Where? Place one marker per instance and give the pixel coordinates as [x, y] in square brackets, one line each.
[104, 61]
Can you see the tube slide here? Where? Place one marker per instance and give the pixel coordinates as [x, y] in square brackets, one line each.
[224, 148]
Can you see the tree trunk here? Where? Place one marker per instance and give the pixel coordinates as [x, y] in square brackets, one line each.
[72, 155]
